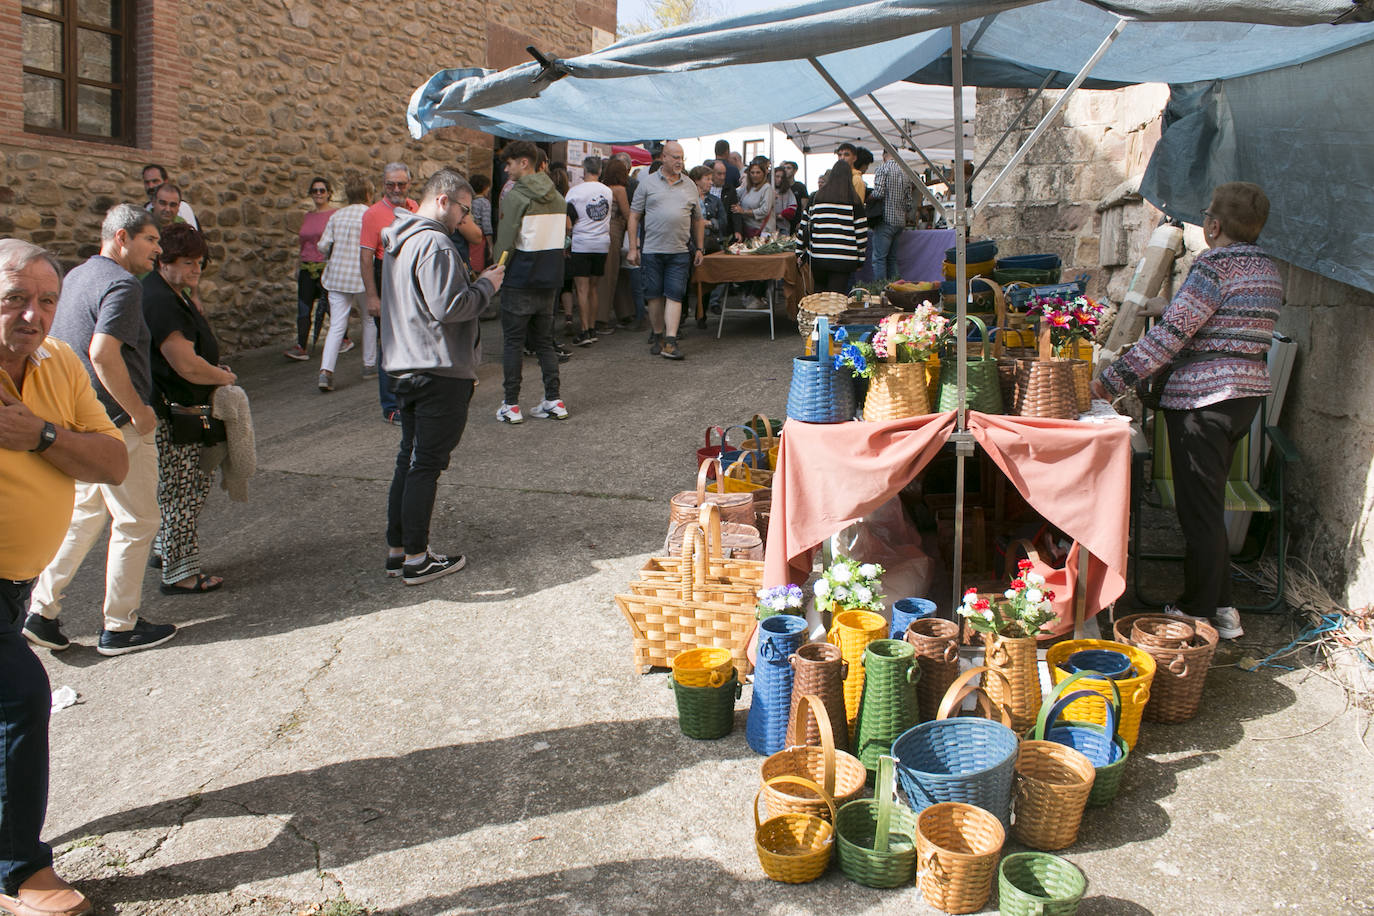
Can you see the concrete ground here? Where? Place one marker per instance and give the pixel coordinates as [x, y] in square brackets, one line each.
[321, 739]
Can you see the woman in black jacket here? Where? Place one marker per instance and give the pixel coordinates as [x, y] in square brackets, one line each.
[833, 232]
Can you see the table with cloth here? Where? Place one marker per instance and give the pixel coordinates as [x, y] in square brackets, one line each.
[723, 267]
[920, 254]
[1075, 474]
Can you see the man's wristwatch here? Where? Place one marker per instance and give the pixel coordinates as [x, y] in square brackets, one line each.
[46, 438]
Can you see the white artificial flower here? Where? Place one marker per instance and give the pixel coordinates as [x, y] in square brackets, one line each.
[970, 598]
[794, 599]
[987, 615]
[868, 570]
[840, 573]
[1046, 608]
[966, 611]
[778, 602]
[1009, 594]
[822, 588]
[1033, 595]
[863, 593]
[1035, 579]
[841, 593]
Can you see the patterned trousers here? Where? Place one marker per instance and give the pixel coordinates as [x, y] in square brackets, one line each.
[181, 491]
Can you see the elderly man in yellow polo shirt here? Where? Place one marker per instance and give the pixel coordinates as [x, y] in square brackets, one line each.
[53, 432]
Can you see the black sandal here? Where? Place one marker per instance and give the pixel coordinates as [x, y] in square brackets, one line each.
[202, 586]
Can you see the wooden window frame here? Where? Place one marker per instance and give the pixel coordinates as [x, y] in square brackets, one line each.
[71, 82]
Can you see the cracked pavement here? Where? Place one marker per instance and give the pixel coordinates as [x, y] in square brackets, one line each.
[317, 732]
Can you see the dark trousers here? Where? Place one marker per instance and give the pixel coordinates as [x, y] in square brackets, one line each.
[310, 297]
[1203, 443]
[25, 701]
[831, 281]
[434, 411]
[527, 316]
[388, 400]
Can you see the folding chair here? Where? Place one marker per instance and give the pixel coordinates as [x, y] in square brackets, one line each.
[1241, 496]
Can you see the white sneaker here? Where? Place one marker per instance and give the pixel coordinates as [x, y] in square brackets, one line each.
[1173, 611]
[1227, 622]
[510, 413]
[553, 409]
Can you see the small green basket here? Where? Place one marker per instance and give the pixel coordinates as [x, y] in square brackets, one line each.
[1039, 884]
[877, 836]
[706, 713]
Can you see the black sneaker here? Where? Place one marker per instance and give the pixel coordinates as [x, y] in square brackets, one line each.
[41, 631]
[655, 344]
[584, 338]
[603, 328]
[144, 635]
[564, 354]
[394, 564]
[670, 349]
[431, 566]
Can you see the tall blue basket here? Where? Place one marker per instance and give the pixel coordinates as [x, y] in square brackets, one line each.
[771, 703]
[958, 760]
[905, 610]
[820, 393]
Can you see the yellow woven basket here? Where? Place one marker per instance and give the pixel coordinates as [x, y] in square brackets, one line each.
[794, 848]
[1135, 691]
[852, 631]
[703, 667]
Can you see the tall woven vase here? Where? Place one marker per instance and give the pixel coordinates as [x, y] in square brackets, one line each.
[1015, 657]
[779, 637]
[852, 631]
[936, 642]
[818, 671]
[889, 705]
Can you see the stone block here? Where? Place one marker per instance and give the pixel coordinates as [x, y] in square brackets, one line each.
[230, 216]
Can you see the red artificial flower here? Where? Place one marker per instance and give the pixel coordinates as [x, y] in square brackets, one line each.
[970, 591]
[1057, 319]
[1023, 564]
[1018, 583]
[981, 604]
[1049, 596]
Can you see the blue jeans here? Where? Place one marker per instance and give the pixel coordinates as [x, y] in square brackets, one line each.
[885, 251]
[664, 276]
[637, 292]
[25, 702]
[434, 411]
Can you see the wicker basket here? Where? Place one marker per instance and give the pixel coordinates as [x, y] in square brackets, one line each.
[816, 305]
[706, 713]
[737, 508]
[1135, 691]
[709, 667]
[889, 705]
[726, 539]
[840, 774]
[1038, 884]
[907, 300]
[820, 393]
[864, 315]
[852, 631]
[1161, 632]
[1101, 744]
[957, 848]
[877, 837]
[1020, 691]
[739, 476]
[1052, 788]
[896, 390]
[1180, 674]
[819, 671]
[937, 653]
[794, 848]
[1082, 384]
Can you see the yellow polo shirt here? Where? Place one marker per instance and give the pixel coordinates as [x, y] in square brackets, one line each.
[35, 497]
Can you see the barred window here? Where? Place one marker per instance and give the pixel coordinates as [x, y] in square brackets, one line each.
[78, 68]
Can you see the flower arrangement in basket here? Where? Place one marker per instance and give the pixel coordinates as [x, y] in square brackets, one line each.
[902, 337]
[851, 585]
[778, 600]
[1069, 319]
[1028, 606]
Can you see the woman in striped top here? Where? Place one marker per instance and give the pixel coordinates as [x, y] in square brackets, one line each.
[1215, 336]
[834, 231]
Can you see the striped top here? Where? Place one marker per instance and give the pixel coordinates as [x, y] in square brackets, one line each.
[1228, 303]
[834, 232]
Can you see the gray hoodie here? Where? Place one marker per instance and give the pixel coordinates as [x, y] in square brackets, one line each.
[429, 309]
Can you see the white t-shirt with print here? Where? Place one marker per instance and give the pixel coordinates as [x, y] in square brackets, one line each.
[590, 201]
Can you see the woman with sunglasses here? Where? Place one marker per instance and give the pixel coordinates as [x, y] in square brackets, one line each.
[310, 294]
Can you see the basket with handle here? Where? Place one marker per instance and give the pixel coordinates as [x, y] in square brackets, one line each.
[1053, 782]
[706, 713]
[709, 667]
[1151, 632]
[840, 774]
[756, 456]
[739, 478]
[1044, 387]
[794, 848]
[967, 760]
[765, 435]
[876, 838]
[936, 641]
[729, 539]
[852, 631]
[1016, 658]
[819, 672]
[709, 451]
[896, 390]
[778, 637]
[1134, 690]
[1038, 884]
[736, 507]
[817, 305]
[889, 705]
[1101, 744]
[691, 579]
[957, 846]
[760, 425]
[982, 388]
[820, 393]
[1180, 673]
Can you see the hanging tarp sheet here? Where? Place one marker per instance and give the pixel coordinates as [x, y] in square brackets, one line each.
[1304, 135]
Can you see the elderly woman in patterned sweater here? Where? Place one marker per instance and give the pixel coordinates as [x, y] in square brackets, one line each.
[1212, 340]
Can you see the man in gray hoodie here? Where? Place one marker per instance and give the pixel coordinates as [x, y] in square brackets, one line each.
[431, 346]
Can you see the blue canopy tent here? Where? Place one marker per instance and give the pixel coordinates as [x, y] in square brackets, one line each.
[1243, 73]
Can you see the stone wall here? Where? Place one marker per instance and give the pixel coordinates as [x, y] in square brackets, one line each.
[245, 102]
[1051, 204]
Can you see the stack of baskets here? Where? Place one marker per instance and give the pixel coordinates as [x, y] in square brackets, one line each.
[1182, 652]
[706, 687]
[819, 305]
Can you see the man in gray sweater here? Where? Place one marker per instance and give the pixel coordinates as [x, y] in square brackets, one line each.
[431, 346]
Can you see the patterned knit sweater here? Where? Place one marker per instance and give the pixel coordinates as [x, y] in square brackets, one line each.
[1229, 302]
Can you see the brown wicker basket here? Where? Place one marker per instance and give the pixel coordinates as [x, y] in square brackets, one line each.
[686, 505]
[813, 306]
[818, 670]
[1082, 384]
[1180, 674]
[1052, 787]
[869, 314]
[937, 653]
[1044, 387]
[726, 539]
[908, 300]
[957, 847]
[1020, 691]
[839, 773]
[1162, 633]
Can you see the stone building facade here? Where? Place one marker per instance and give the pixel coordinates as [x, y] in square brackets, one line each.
[244, 103]
[1072, 196]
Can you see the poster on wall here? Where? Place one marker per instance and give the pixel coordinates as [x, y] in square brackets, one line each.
[577, 150]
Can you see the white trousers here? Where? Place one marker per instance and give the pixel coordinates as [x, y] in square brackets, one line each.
[132, 506]
[340, 304]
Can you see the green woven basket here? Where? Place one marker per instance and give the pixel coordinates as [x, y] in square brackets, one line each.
[1038, 884]
[983, 389]
[706, 713]
[877, 836]
[1007, 275]
[888, 705]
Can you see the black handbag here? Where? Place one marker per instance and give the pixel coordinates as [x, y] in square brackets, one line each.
[194, 425]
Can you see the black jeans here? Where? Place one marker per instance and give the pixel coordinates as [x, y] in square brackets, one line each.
[831, 281]
[310, 297]
[25, 702]
[1202, 443]
[527, 315]
[434, 410]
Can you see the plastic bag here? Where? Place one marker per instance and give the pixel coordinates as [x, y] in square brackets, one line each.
[887, 537]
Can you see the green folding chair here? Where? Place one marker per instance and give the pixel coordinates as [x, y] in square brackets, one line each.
[1241, 496]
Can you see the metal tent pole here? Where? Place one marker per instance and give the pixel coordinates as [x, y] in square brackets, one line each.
[963, 440]
[905, 135]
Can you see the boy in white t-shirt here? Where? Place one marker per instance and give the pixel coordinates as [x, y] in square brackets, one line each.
[589, 220]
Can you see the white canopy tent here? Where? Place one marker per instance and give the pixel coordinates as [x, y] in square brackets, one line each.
[925, 114]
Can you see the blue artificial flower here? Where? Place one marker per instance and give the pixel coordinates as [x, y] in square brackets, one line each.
[841, 334]
[838, 361]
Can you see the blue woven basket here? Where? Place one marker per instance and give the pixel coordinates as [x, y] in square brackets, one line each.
[1030, 262]
[975, 252]
[905, 610]
[771, 702]
[1101, 744]
[958, 760]
[820, 393]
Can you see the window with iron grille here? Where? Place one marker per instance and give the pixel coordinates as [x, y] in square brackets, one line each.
[78, 68]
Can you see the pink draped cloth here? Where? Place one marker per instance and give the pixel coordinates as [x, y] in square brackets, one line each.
[1076, 475]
